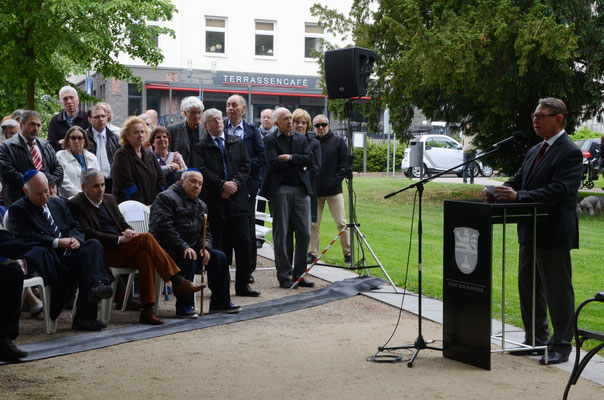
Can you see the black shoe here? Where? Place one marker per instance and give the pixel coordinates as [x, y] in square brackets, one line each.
[304, 283]
[88, 325]
[347, 259]
[10, 352]
[286, 284]
[528, 351]
[251, 280]
[246, 291]
[99, 291]
[259, 244]
[553, 357]
[228, 309]
[310, 258]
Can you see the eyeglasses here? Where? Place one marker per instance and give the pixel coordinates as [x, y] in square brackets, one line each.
[321, 125]
[76, 138]
[541, 116]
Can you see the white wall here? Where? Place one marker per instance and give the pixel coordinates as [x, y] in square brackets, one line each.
[290, 17]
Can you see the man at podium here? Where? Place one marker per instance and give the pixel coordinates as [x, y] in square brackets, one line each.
[550, 173]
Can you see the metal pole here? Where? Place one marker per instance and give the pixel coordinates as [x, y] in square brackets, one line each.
[170, 104]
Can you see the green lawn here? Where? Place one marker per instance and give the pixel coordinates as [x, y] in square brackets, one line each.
[386, 225]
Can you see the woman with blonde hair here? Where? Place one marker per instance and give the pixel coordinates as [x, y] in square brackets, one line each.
[135, 171]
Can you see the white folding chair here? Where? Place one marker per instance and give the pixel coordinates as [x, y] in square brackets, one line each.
[262, 231]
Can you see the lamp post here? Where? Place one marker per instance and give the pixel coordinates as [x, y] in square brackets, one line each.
[190, 75]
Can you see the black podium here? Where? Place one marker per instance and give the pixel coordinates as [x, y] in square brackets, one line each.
[467, 274]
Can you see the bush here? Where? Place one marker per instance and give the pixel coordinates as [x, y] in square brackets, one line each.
[376, 157]
[585, 133]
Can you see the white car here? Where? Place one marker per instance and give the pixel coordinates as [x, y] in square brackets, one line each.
[440, 153]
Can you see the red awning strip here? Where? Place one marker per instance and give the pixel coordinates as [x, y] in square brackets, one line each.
[234, 90]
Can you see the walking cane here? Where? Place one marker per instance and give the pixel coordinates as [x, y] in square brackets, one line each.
[203, 266]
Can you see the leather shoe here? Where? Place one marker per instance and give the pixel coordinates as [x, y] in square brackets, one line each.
[304, 283]
[247, 291]
[553, 357]
[187, 287]
[228, 309]
[88, 325]
[527, 351]
[251, 279]
[310, 258]
[286, 284]
[149, 318]
[99, 291]
[10, 352]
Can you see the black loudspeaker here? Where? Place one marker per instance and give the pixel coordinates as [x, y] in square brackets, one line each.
[347, 72]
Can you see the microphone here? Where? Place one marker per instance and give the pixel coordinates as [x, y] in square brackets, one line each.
[516, 136]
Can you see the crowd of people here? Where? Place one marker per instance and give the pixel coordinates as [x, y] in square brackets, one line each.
[199, 178]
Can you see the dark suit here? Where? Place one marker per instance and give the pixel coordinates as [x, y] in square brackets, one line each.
[229, 218]
[141, 252]
[287, 185]
[555, 179]
[38, 258]
[255, 150]
[58, 127]
[86, 265]
[181, 142]
[111, 146]
[15, 160]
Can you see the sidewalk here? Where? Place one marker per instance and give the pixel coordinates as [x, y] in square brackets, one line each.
[433, 310]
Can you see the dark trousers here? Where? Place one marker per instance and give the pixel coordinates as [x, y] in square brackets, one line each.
[554, 290]
[235, 234]
[86, 266]
[253, 250]
[218, 278]
[11, 287]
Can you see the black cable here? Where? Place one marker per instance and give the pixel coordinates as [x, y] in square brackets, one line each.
[392, 357]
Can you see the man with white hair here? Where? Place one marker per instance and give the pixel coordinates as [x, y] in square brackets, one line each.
[70, 115]
[9, 128]
[287, 186]
[184, 135]
[266, 122]
[235, 125]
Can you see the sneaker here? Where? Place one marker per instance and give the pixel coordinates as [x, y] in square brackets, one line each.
[347, 259]
[310, 258]
[186, 312]
[228, 309]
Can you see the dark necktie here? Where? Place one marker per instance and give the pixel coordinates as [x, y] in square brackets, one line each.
[220, 145]
[542, 150]
[51, 221]
[35, 155]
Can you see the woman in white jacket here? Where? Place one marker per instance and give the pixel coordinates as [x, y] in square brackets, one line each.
[74, 159]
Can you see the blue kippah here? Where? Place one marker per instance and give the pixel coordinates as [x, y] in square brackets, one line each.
[193, 169]
[29, 174]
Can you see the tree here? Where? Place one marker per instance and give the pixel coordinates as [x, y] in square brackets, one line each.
[46, 41]
[482, 62]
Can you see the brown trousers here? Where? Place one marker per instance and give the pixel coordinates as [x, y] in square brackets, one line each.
[147, 256]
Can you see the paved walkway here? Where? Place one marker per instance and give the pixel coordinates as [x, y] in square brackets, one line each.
[433, 310]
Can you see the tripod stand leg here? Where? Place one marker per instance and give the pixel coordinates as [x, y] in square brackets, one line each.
[358, 231]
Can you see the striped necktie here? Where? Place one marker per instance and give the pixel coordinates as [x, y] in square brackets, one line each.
[51, 221]
[35, 155]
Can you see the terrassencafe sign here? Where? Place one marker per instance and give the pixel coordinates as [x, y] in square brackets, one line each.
[275, 81]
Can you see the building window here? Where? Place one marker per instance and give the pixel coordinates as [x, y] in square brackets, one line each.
[215, 35]
[313, 36]
[265, 38]
[135, 99]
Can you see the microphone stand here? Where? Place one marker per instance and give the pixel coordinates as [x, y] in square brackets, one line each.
[420, 343]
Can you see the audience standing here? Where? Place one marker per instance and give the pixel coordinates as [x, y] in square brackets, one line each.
[103, 141]
[70, 115]
[185, 134]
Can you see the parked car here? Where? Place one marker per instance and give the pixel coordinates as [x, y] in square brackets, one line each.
[440, 153]
[589, 147]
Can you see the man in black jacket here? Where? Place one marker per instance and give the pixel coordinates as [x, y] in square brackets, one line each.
[176, 222]
[103, 142]
[237, 126]
[185, 134]
[223, 160]
[334, 167]
[25, 151]
[287, 186]
[70, 116]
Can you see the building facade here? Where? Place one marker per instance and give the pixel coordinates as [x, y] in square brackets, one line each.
[262, 50]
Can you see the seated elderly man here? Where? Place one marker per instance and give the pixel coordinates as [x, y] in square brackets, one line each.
[101, 219]
[176, 221]
[47, 221]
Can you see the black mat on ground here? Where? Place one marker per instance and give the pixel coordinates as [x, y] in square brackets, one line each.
[90, 341]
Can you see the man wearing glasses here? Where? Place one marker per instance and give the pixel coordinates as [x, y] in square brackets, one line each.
[550, 173]
[103, 142]
[334, 167]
